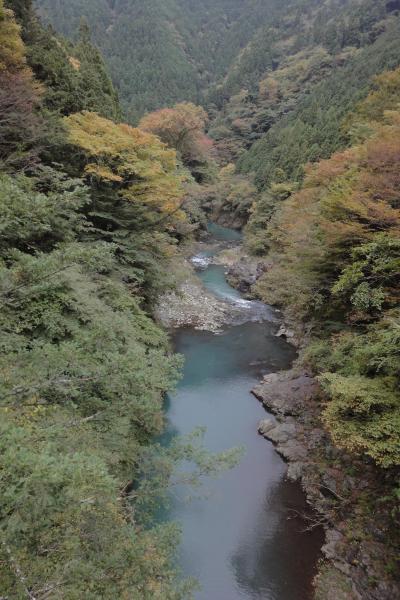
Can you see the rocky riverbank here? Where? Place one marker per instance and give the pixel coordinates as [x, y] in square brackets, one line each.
[338, 487]
[242, 270]
[343, 490]
[190, 305]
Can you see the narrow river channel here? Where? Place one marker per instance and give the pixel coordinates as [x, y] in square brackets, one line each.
[239, 542]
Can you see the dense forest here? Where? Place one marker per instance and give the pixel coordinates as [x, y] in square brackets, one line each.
[91, 217]
[163, 51]
[124, 127]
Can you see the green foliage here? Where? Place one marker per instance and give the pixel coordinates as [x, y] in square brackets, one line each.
[228, 199]
[22, 10]
[371, 275]
[154, 49]
[336, 261]
[312, 130]
[263, 208]
[370, 353]
[363, 415]
[71, 335]
[83, 373]
[34, 220]
[93, 80]
[75, 76]
[136, 195]
[360, 375]
[83, 368]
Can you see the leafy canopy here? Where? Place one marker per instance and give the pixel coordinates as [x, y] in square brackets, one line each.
[137, 163]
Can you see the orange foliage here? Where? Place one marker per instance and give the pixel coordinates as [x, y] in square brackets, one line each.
[181, 127]
[345, 202]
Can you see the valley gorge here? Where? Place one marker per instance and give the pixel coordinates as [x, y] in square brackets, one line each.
[199, 278]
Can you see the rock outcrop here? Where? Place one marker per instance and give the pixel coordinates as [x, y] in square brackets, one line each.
[335, 484]
[245, 273]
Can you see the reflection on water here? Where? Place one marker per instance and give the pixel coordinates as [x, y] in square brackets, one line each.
[279, 564]
[238, 542]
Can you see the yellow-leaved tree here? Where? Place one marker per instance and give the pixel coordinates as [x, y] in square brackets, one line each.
[137, 195]
[12, 50]
[134, 163]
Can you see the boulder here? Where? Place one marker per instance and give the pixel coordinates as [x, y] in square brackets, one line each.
[245, 273]
[265, 426]
[285, 332]
[286, 393]
[295, 471]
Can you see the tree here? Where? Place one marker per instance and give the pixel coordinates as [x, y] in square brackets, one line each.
[12, 50]
[22, 129]
[182, 127]
[93, 80]
[75, 76]
[137, 194]
[83, 374]
[134, 163]
[23, 12]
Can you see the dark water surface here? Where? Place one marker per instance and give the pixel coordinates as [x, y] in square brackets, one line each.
[238, 542]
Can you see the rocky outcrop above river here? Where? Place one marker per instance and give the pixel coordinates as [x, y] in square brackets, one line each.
[337, 485]
[242, 270]
[243, 274]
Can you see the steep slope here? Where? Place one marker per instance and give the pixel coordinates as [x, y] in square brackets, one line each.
[312, 80]
[163, 51]
[285, 61]
[90, 221]
[311, 130]
[334, 264]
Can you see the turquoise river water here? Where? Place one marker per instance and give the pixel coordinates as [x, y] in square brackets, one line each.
[239, 541]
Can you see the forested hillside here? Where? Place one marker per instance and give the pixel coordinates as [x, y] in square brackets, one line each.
[334, 256]
[162, 51]
[312, 119]
[92, 213]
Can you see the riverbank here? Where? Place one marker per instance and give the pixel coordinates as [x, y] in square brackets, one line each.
[190, 305]
[346, 492]
[342, 491]
[339, 487]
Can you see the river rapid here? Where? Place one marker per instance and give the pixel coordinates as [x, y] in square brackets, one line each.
[242, 541]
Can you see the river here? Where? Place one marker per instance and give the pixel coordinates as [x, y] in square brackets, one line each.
[240, 542]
